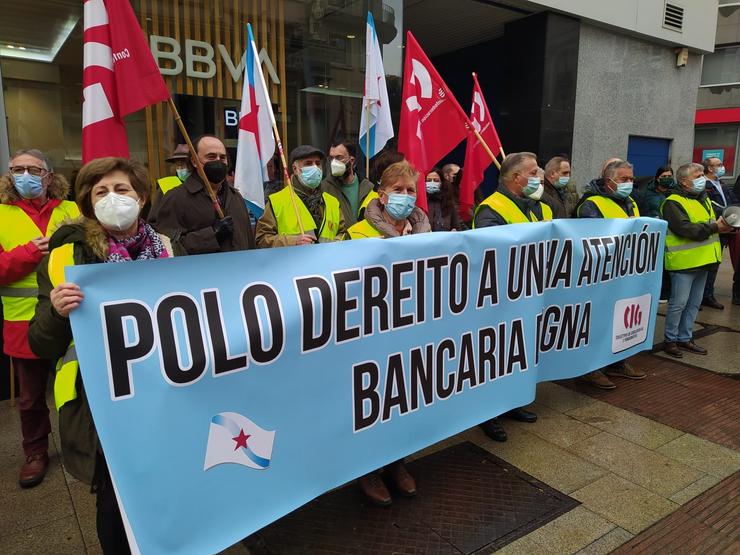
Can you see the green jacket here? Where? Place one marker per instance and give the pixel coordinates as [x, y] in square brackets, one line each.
[333, 186]
[49, 335]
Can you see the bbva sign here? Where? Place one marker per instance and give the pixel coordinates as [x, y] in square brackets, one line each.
[203, 54]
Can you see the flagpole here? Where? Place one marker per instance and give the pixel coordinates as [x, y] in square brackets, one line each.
[367, 141]
[276, 133]
[484, 145]
[194, 156]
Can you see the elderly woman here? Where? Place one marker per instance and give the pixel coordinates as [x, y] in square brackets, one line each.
[111, 193]
[392, 214]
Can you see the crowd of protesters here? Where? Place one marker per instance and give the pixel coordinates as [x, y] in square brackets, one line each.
[326, 200]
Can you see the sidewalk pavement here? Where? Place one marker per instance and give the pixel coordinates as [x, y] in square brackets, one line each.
[638, 459]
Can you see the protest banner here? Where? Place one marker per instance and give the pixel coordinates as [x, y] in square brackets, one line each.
[230, 389]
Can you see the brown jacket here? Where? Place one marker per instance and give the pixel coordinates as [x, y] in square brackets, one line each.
[333, 186]
[266, 232]
[186, 213]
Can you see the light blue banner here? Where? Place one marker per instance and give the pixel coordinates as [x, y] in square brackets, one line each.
[230, 389]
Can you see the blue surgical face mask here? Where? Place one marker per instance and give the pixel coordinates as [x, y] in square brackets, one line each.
[699, 184]
[311, 176]
[623, 190]
[28, 186]
[533, 184]
[182, 173]
[562, 182]
[433, 187]
[399, 207]
[720, 171]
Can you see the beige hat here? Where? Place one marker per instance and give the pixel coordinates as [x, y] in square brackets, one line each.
[181, 153]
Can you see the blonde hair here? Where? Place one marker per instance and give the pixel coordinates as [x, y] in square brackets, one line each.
[395, 172]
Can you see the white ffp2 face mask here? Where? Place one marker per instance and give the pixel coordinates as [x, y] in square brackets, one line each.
[117, 212]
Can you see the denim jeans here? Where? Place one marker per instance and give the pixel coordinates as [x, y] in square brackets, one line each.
[687, 289]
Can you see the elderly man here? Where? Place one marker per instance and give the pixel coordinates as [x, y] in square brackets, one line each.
[32, 206]
[516, 201]
[188, 213]
[300, 213]
[344, 184]
[720, 197]
[692, 250]
[609, 197]
[449, 173]
[180, 160]
[557, 195]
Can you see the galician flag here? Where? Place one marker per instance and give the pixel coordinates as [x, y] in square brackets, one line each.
[376, 126]
[256, 145]
[233, 438]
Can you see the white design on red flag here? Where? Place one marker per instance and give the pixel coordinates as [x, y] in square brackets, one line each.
[432, 121]
[119, 76]
[477, 159]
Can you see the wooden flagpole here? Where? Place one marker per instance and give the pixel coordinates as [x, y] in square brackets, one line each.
[281, 150]
[484, 145]
[194, 157]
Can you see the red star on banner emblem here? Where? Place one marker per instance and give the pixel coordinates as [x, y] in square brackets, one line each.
[249, 122]
[241, 440]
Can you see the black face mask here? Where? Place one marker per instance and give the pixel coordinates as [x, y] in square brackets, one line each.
[215, 171]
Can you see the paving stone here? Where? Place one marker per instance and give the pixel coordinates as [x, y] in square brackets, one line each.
[699, 453]
[721, 358]
[545, 461]
[84, 506]
[524, 546]
[625, 504]
[697, 488]
[57, 537]
[625, 424]
[554, 426]
[560, 398]
[641, 466]
[572, 531]
[607, 543]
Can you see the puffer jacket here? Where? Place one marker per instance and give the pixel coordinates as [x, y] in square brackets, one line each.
[49, 336]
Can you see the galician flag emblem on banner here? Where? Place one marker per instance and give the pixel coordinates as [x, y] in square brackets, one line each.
[234, 438]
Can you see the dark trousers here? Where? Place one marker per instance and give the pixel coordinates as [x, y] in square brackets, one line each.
[734, 244]
[33, 376]
[111, 533]
[709, 286]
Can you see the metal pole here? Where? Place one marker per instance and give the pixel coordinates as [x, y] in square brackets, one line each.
[4, 142]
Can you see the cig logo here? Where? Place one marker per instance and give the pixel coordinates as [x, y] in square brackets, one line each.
[632, 316]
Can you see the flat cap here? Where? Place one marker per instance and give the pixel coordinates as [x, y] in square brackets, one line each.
[304, 151]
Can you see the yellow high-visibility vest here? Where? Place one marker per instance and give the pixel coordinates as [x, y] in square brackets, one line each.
[168, 183]
[610, 209]
[363, 230]
[510, 212]
[283, 208]
[19, 298]
[67, 366]
[363, 205]
[682, 253]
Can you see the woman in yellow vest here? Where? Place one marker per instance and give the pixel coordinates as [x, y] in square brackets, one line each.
[692, 249]
[393, 214]
[300, 214]
[111, 193]
[609, 197]
[32, 205]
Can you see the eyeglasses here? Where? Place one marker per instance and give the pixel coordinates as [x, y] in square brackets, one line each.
[33, 170]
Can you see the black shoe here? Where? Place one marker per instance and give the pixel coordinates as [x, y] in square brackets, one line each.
[493, 429]
[522, 415]
[711, 302]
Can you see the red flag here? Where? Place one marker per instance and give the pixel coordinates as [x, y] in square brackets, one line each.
[432, 121]
[476, 157]
[120, 76]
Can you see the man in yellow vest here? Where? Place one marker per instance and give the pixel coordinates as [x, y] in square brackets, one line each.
[692, 250]
[344, 183]
[609, 197]
[516, 201]
[32, 206]
[180, 159]
[300, 213]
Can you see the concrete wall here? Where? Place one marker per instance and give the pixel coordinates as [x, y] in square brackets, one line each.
[625, 87]
[645, 18]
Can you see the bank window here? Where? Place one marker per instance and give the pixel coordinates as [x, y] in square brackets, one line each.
[718, 142]
[722, 67]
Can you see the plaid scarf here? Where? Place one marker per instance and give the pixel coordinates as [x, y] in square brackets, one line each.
[145, 245]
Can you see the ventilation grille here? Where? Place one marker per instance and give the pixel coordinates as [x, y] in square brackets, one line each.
[673, 17]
